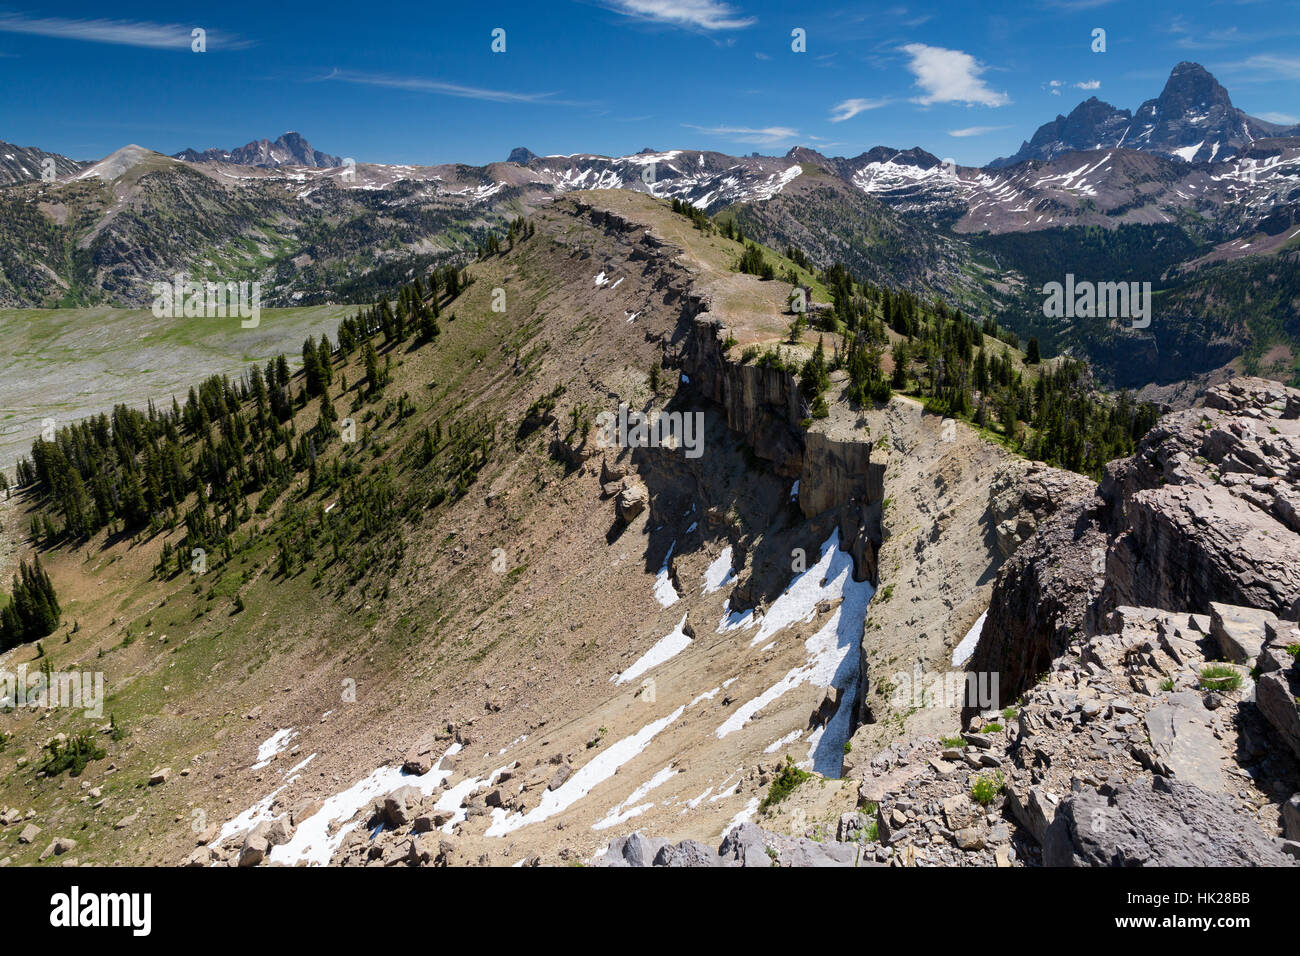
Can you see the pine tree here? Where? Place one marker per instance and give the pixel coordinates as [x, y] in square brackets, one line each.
[372, 369]
[813, 378]
[326, 355]
[428, 324]
[313, 375]
[902, 358]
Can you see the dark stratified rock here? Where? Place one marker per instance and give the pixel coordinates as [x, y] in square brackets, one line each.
[1240, 631]
[1277, 689]
[1199, 511]
[763, 404]
[1193, 517]
[1040, 601]
[1089, 125]
[1162, 823]
[1193, 118]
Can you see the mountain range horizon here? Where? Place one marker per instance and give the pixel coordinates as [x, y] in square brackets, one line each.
[1092, 124]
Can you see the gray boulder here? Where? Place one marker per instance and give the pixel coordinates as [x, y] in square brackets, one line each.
[1239, 631]
[399, 806]
[635, 849]
[746, 845]
[687, 853]
[1163, 823]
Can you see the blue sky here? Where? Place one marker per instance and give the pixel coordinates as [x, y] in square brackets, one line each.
[968, 81]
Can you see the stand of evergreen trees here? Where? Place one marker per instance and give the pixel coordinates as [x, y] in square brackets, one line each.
[33, 608]
[946, 359]
[956, 365]
[695, 214]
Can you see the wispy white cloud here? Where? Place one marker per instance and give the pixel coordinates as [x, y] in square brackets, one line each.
[851, 108]
[1270, 65]
[1209, 39]
[700, 14]
[159, 36]
[419, 84]
[1282, 119]
[1077, 4]
[975, 130]
[950, 76]
[1198, 36]
[823, 144]
[903, 14]
[1054, 86]
[766, 136]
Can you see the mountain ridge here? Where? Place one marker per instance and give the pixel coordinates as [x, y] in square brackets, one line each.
[289, 149]
[1192, 119]
[25, 163]
[1166, 124]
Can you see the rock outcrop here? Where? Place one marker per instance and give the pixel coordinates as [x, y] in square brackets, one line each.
[1278, 692]
[834, 472]
[1123, 753]
[1040, 601]
[1205, 509]
[1201, 513]
[1019, 503]
[1161, 823]
[762, 404]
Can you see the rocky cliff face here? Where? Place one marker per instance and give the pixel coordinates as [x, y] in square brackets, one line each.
[1040, 600]
[1204, 511]
[1133, 620]
[762, 404]
[1206, 508]
[1140, 735]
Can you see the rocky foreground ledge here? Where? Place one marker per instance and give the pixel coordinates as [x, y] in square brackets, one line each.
[1124, 754]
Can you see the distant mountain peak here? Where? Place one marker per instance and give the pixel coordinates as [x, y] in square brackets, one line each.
[290, 149]
[1192, 86]
[1192, 119]
[521, 155]
[916, 156]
